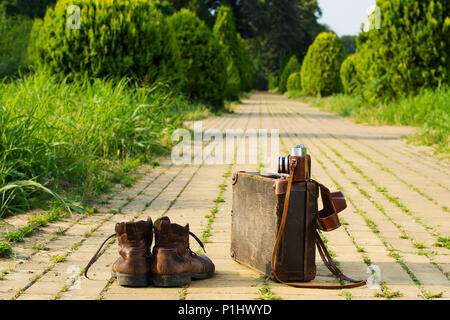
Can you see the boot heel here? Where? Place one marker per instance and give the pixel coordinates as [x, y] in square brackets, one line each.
[128, 280]
[172, 280]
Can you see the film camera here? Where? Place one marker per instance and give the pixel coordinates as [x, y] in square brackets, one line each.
[336, 200]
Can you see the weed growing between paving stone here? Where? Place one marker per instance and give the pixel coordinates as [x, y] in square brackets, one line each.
[346, 294]
[385, 293]
[429, 295]
[17, 236]
[39, 247]
[265, 292]
[442, 242]
[183, 293]
[70, 282]
[222, 188]
[106, 288]
[5, 249]
[57, 258]
[2, 274]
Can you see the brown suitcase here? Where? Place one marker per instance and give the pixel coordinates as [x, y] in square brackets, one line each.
[257, 210]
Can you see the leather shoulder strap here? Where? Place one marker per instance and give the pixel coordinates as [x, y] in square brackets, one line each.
[320, 246]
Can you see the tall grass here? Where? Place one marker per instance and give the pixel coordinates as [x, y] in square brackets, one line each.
[69, 136]
[429, 111]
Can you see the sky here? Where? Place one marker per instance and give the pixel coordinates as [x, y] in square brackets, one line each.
[345, 16]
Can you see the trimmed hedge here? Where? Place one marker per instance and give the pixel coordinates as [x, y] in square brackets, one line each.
[408, 52]
[115, 38]
[238, 58]
[349, 75]
[292, 66]
[320, 71]
[294, 82]
[248, 70]
[202, 59]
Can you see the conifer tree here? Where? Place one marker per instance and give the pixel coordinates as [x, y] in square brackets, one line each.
[320, 73]
[406, 49]
[202, 59]
[291, 67]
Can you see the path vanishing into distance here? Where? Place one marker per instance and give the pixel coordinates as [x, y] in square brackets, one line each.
[397, 219]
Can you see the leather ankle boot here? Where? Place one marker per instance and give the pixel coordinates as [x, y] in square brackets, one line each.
[174, 264]
[132, 268]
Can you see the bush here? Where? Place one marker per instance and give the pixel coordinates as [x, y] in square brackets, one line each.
[294, 82]
[349, 75]
[202, 59]
[322, 64]
[115, 38]
[225, 31]
[14, 35]
[249, 76]
[233, 82]
[292, 66]
[28, 8]
[410, 50]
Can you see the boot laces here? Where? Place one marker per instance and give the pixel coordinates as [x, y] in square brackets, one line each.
[95, 257]
[199, 242]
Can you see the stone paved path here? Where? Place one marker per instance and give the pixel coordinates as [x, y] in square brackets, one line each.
[398, 199]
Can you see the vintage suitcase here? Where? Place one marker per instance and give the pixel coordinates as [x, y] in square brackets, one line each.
[256, 214]
[262, 240]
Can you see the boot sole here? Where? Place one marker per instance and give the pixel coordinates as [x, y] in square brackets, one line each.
[201, 276]
[172, 280]
[128, 280]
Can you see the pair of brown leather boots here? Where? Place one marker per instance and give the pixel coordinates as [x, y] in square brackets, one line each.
[171, 263]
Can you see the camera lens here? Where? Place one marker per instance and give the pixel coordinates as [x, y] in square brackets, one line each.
[283, 164]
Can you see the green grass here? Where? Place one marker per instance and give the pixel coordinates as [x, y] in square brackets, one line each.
[428, 295]
[57, 258]
[385, 293]
[73, 139]
[442, 242]
[265, 292]
[5, 249]
[17, 236]
[429, 110]
[346, 294]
